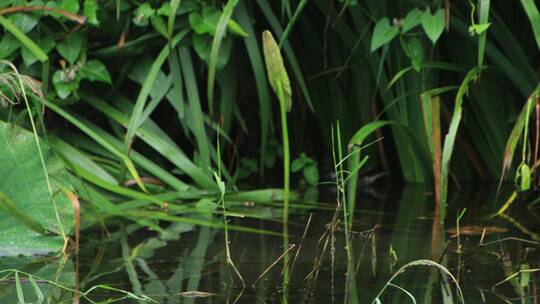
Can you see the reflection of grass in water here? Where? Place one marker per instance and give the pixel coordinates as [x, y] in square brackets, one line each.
[33, 280]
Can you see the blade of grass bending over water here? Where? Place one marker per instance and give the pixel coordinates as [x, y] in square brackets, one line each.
[450, 138]
[214, 51]
[150, 133]
[357, 140]
[96, 137]
[426, 263]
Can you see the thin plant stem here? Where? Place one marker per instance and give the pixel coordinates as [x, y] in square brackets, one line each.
[286, 155]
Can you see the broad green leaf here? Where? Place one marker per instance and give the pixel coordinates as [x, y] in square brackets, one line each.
[433, 24]
[25, 22]
[202, 45]
[412, 20]
[63, 85]
[70, 48]
[158, 23]
[277, 74]
[415, 51]
[8, 45]
[205, 22]
[35, 288]
[25, 184]
[165, 9]
[297, 164]
[23, 39]
[94, 70]
[311, 174]
[8, 207]
[45, 40]
[383, 33]
[90, 9]
[478, 29]
[142, 14]
[71, 6]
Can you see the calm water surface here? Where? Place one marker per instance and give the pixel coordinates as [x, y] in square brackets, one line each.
[392, 227]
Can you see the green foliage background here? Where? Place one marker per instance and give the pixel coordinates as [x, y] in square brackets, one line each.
[135, 91]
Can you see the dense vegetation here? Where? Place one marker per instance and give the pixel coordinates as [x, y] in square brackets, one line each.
[155, 103]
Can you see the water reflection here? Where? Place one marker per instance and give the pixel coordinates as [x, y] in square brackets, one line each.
[495, 259]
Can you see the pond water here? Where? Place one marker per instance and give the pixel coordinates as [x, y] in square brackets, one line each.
[495, 259]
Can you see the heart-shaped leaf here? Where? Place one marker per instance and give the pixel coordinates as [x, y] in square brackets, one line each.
[63, 84]
[415, 51]
[433, 24]
[383, 33]
[90, 9]
[70, 48]
[412, 20]
[202, 45]
[478, 29]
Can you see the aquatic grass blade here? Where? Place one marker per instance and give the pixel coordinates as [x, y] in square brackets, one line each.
[483, 19]
[145, 90]
[291, 22]
[450, 138]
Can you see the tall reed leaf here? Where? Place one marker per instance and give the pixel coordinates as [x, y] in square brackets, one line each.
[257, 65]
[449, 140]
[516, 133]
[291, 23]
[214, 51]
[145, 91]
[483, 18]
[534, 18]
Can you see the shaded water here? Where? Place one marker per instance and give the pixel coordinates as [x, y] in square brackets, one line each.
[187, 264]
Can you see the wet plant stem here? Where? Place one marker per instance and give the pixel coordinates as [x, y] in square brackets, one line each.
[286, 187]
[286, 154]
